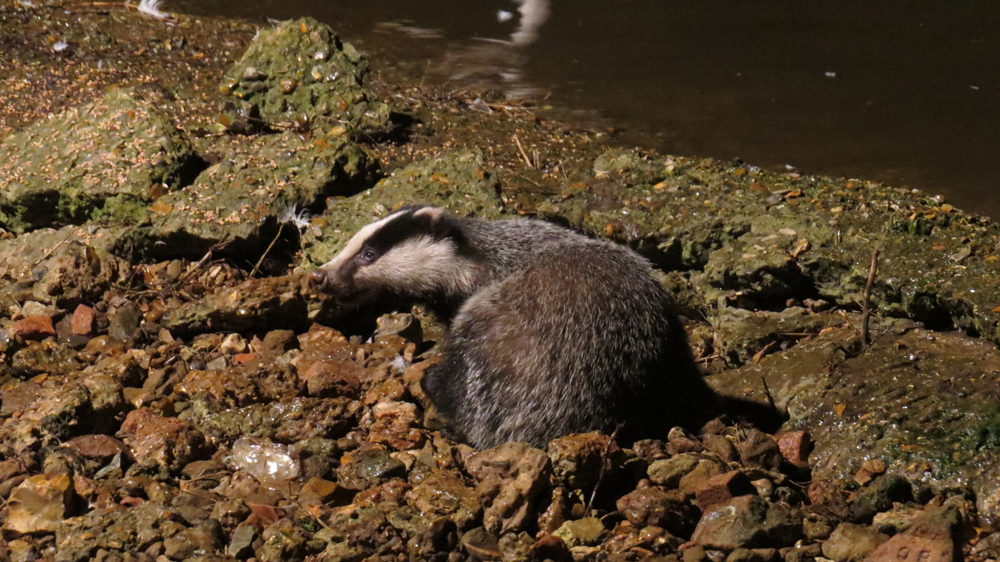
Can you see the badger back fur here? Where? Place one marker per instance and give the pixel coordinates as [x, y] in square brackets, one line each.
[555, 332]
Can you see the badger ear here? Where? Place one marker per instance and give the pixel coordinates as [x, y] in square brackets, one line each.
[443, 224]
[434, 213]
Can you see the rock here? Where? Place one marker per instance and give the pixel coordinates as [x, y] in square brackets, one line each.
[62, 266]
[33, 328]
[13, 467]
[515, 547]
[318, 489]
[82, 321]
[650, 450]
[283, 540]
[19, 550]
[326, 379]
[203, 538]
[99, 448]
[396, 425]
[481, 544]
[694, 553]
[759, 449]
[748, 522]
[125, 320]
[233, 344]
[722, 488]
[795, 446]
[703, 471]
[40, 504]
[19, 398]
[803, 553]
[754, 555]
[280, 175]
[63, 460]
[878, 496]
[166, 444]
[435, 543]
[869, 469]
[277, 342]
[442, 494]
[255, 304]
[579, 459]
[230, 513]
[582, 532]
[300, 70]
[288, 421]
[988, 547]
[549, 547]
[472, 189]
[653, 506]
[668, 472]
[240, 545]
[722, 446]
[71, 181]
[763, 487]
[511, 478]
[852, 542]
[368, 467]
[815, 527]
[910, 548]
[830, 497]
[679, 442]
[900, 519]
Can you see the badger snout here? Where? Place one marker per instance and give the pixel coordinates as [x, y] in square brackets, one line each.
[343, 290]
[321, 280]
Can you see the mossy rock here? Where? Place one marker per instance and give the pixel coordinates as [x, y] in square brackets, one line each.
[300, 73]
[459, 181]
[254, 188]
[64, 169]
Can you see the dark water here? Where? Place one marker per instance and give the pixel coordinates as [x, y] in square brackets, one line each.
[906, 92]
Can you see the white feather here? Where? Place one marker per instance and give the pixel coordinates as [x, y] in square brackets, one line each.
[152, 8]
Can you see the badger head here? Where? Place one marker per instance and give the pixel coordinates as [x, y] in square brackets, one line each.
[414, 252]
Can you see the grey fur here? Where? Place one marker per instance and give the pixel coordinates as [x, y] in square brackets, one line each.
[555, 332]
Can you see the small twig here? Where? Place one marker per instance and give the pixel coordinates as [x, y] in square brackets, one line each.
[527, 161]
[527, 179]
[303, 508]
[767, 392]
[201, 262]
[604, 465]
[256, 266]
[866, 310]
[49, 252]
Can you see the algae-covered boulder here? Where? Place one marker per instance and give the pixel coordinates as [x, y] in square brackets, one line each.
[256, 185]
[301, 73]
[64, 266]
[117, 153]
[755, 239]
[922, 402]
[457, 180]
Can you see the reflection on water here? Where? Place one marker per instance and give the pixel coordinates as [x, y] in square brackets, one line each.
[905, 92]
[483, 62]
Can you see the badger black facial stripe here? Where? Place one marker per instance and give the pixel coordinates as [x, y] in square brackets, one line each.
[406, 226]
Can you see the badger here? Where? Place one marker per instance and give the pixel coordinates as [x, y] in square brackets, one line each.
[553, 332]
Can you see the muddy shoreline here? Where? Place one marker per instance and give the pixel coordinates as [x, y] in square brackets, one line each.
[171, 388]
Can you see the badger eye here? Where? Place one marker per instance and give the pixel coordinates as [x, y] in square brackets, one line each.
[366, 256]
